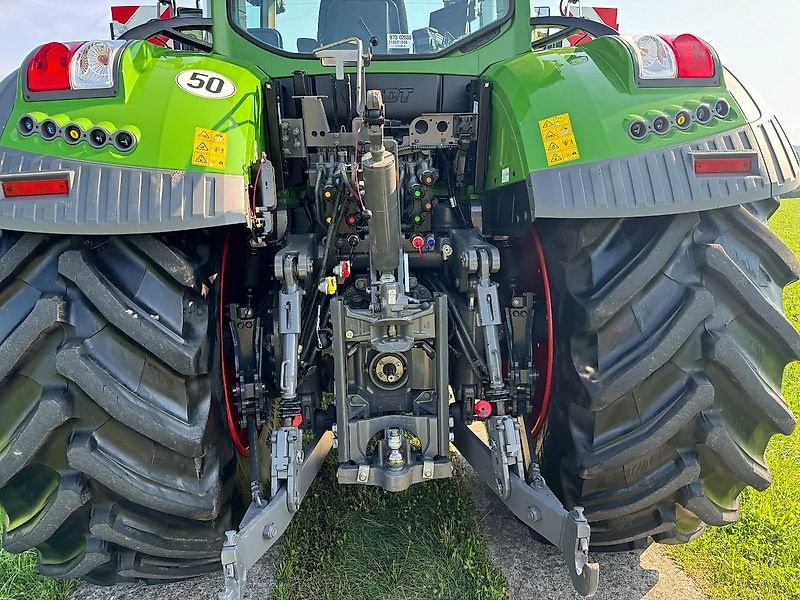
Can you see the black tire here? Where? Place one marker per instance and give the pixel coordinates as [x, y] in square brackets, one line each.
[115, 465]
[671, 344]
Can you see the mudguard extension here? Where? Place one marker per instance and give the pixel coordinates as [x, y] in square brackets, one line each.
[107, 199]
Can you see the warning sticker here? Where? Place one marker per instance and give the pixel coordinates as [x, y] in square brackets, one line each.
[210, 148]
[400, 41]
[559, 140]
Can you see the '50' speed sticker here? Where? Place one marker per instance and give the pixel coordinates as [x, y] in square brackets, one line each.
[206, 84]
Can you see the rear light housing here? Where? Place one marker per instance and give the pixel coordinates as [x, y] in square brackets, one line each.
[61, 71]
[673, 60]
[656, 60]
[94, 65]
[695, 58]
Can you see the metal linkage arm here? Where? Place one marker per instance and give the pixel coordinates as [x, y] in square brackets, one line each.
[489, 317]
[263, 525]
[534, 503]
[478, 260]
[293, 265]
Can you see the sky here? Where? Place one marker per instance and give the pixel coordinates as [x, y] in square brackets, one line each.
[757, 40]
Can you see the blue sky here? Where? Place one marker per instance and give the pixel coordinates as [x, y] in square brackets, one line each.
[763, 51]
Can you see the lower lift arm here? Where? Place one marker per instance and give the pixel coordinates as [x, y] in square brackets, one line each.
[500, 465]
[262, 526]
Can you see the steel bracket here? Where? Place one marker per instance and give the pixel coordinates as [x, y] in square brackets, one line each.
[506, 448]
[262, 526]
[287, 458]
[534, 504]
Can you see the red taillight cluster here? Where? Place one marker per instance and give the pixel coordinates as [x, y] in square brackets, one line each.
[661, 58]
[75, 66]
[48, 70]
[694, 57]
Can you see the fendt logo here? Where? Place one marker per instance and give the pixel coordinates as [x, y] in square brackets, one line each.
[396, 94]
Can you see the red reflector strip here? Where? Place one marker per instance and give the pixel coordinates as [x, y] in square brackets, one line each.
[716, 166]
[36, 187]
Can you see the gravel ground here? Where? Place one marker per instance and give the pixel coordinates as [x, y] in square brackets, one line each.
[261, 581]
[533, 570]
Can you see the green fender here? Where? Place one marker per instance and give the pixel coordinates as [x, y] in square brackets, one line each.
[594, 84]
[163, 115]
[190, 167]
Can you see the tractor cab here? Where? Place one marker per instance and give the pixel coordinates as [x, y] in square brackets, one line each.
[388, 27]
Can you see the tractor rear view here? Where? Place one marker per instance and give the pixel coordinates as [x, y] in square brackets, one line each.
[220, 262]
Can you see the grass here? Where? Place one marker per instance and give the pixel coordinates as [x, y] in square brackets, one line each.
[758, 558]
[363, 543]
[19, 579]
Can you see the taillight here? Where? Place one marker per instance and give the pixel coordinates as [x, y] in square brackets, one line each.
[36, 187]
[668, 57]
[73, 66]
[695, 60]
[48, 70]
[723, 166]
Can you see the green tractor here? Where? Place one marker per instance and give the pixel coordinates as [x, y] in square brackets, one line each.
[382, 229]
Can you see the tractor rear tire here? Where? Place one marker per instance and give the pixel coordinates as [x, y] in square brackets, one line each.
[671, 343]
[115, 464]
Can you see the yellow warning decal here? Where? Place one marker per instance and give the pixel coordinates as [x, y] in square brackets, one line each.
[560, 145]
[210, 148]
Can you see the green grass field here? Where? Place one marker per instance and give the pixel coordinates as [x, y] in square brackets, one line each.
[19, 580]
[758, 558]
[363, 543]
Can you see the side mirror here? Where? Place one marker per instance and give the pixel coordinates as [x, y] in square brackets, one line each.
[307, 45]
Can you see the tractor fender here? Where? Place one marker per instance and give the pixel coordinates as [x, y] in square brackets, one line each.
[560, 135]
[197, 122]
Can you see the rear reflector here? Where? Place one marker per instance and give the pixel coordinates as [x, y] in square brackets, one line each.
[722, 166]
[36, 187]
